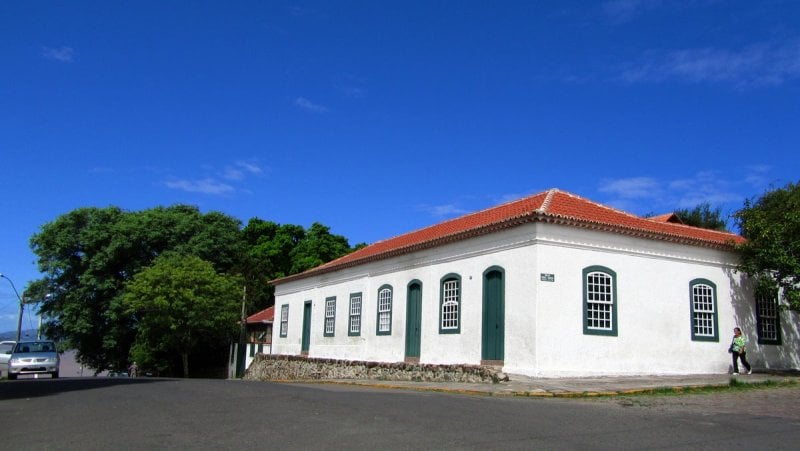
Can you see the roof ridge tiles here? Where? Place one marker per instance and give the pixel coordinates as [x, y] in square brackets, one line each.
[547, 200]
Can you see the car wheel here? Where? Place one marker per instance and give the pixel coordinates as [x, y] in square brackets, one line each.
[55, 375]
[11, 377]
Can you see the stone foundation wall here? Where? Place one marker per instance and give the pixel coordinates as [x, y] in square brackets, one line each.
[288, 367]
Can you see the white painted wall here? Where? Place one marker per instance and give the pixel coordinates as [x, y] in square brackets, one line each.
[252, 349]
[544, 332]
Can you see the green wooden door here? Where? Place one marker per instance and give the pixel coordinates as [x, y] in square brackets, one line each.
[413, 319]
[306, 327]
[493, 315]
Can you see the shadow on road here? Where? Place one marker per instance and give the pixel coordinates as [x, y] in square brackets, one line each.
[33, 388]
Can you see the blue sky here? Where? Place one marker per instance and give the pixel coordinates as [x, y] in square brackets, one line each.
[380, 117]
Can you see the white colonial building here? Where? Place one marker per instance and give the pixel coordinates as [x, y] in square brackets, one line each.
[549, 285]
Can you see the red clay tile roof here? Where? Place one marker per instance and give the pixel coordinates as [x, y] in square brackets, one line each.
[551, 206]
[265, 316]
[667, 217]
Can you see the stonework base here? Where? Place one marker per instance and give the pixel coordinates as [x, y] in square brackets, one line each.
[287, 367]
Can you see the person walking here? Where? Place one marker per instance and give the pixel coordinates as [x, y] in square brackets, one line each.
[738, 351]
[133, 370]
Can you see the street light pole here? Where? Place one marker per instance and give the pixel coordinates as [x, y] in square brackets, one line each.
[21, 306]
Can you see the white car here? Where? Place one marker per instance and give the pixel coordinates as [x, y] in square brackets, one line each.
[34, 357]
[5, 353]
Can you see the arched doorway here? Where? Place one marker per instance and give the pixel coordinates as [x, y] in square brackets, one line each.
[493, 330]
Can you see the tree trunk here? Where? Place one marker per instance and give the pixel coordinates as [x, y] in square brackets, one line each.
[185, 358]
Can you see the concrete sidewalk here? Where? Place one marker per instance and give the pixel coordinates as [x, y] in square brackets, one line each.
[574, 387]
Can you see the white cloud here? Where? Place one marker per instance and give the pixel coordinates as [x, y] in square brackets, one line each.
[642, 195]
[757, 176]
[9, 316]
[631, 188]
[240, 169]
[62, 54]
[509, 197]
[307, 105]
[707, 186]
[205, 186]
[353, 92]
[443, 211]
[759, 64]
[249, 167]
[234, 174]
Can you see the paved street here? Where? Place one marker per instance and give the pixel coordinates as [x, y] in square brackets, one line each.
[106, 413]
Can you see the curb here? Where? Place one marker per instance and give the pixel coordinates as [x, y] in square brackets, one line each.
[539, 393]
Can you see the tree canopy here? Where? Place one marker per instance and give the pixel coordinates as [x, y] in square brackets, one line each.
[272, 251]
[771, 225]
[704, 216]
[89, 255]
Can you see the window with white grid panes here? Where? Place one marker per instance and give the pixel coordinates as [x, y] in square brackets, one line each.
[330, 316]
[599, 303]
[704, 310]
[450, 319]
[284, 319]
[767, 316]
[703, 303]
[355, 315]
[384, 310]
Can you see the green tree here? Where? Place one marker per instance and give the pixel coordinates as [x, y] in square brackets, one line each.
[180, 302]
[272, 251]
[703, 216]
[771, 225]
[267, 246]
[91, 253]
[317, 247]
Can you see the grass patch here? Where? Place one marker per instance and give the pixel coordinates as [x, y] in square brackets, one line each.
[650, 398]
[734, 385]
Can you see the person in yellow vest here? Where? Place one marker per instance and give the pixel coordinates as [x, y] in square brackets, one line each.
[738, 351]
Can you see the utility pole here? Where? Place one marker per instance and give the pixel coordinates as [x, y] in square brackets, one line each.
[21, 306]
[240, 352]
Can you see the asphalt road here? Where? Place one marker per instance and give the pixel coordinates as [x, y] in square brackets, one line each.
[108, 413]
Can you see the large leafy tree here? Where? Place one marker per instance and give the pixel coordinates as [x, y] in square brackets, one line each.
[704, 216]
[181, 304]
[273, 250]
[771, 253]
[89, 254]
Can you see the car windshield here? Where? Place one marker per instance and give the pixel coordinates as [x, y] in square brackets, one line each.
[6, 347]
[35, 346]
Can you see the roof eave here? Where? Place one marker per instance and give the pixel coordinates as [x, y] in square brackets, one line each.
[452, 238]
[537, 216]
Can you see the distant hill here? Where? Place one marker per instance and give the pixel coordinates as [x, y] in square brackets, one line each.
[12, 334]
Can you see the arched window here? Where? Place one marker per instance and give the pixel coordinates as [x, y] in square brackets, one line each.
[450, 305]
[599, 301]
[385, 310]
[704, 310]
